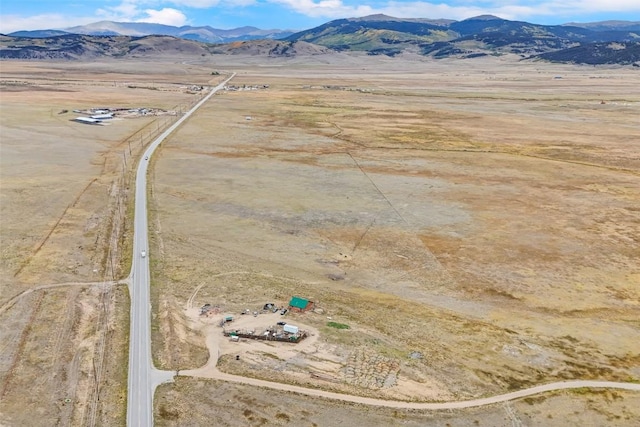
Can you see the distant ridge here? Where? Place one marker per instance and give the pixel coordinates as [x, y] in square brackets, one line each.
[38, 33]
[607, 42]
[483, 18]
[470, 38]
[204, 34]
[382, 17]
[607, 25]
[82, 47]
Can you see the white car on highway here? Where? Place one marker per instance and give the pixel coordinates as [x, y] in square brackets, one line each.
[143, 253]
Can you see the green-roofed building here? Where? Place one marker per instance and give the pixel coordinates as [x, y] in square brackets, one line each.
[300, 304]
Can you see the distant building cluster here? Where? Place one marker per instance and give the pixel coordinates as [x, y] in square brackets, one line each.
[97, 116]
[232, 88]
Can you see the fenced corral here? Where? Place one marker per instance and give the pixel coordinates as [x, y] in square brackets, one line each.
[267, 335]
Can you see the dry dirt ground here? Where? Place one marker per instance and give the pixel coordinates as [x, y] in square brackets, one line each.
[63, 189]
[474, 223]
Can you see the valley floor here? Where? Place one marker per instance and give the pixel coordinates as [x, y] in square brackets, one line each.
[473, 223]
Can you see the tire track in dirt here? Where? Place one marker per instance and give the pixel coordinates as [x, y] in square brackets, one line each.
[46, 238]
[195, 291]
[512, 416]
[21, 345]
[355, 246]
[11, 337]
[98, 353]
[73, 370]
[475, 151]
[63, 337]
[446, 275]
[11, 302]
[104, 307]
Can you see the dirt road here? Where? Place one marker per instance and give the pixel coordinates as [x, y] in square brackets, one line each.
[210, 370]
[7, 305]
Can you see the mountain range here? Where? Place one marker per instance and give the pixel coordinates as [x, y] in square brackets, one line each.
[478, 36]
[608, 42]
[138, 29]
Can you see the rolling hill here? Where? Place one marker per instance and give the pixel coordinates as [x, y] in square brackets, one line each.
[623, 53]
[478, 36]
[76, 46]
[204, 34]
[615, 42]
[83, 47]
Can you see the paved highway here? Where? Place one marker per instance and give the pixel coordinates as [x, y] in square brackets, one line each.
[143, 376]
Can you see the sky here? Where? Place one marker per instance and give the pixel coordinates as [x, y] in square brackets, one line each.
[297, 14]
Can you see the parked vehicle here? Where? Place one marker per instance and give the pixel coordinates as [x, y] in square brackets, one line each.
[283, 311]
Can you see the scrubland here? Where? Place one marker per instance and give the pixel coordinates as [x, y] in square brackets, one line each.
[475, 224]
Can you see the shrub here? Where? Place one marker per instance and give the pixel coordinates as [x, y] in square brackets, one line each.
[337, 325]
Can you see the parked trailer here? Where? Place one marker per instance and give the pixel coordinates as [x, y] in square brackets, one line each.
[291, 329]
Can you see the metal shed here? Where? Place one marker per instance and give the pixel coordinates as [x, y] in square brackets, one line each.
[300, 304]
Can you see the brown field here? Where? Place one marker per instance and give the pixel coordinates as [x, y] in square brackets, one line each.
[64, 197]
[475, 223]
[191, 402]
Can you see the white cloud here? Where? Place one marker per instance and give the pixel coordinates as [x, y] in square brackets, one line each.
[131, 11]
[325, 8]
[430, 10]
[51, 21]
[198, 4]
[126, 11]
[166, 16]
[169, 11]
[437, 11]
[593, 6]
[399, 9]
[460, 9]
[605, 5]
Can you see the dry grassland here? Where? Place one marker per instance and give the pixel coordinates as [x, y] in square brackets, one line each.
[475, 224]
[199, 402]
[480, 214]
[64, 195]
